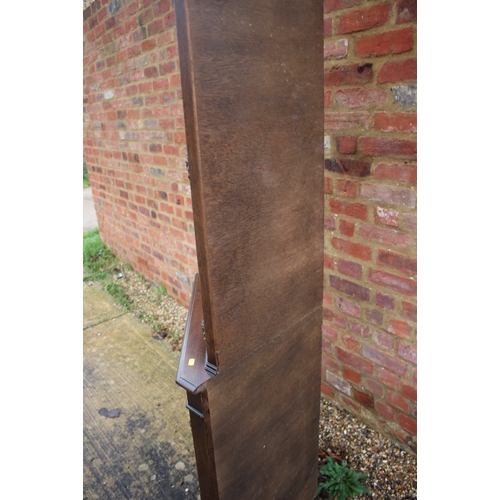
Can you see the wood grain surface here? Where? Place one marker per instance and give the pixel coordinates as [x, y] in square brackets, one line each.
[264, 417]
[252, 82]
[252, 79]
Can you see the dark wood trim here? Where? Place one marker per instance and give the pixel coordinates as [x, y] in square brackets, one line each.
[191, 373]
[194, 161]
[203, 446]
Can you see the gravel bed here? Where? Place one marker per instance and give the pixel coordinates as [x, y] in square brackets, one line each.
[391, 471]
[155, 307]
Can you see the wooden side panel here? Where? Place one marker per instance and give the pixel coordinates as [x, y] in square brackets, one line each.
[265, 414]
[252, 73]
[191, 121]
[203, 444]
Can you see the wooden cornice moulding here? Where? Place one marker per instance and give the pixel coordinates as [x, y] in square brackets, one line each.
[252, 83]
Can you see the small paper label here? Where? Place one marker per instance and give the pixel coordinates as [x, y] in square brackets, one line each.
[191, 362]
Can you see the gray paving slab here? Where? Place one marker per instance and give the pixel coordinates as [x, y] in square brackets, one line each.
[147, 451]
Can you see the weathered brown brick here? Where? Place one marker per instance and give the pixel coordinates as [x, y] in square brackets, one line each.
[381, 358]
[385, 236]
[360, 97]
[393, 282]
[347, 187]
[382, 44]
[397, 401]
[338, 382]
[335, 318]
[351, 375]
[349, 307]
[386, 216]
[395, 122]
[354, 360]
[384, 301]
[374, 387]
[346, 166]
[359, 329]
[399, 328]
[346, 228]
[403, 263]
[349, 74]
[356, 210]
[363, 19]
[364, 398]
[398, 71]
[388, 378]
[346, 144]
[346, 121]
[384, 146]
[349, 288]
[399, 172]
[352, 269]
[409, 310]
[384, 340]
[408, 352]
[406, 11]
[390, 195]
[335, 50]
[386, 411]
[356, 250]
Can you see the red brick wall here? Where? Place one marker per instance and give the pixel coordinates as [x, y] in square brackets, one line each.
[134, 144]
[369, 346]
[134, 139]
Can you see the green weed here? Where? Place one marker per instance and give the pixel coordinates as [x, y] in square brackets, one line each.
[161, 291]
[118, 292]
[341, 482]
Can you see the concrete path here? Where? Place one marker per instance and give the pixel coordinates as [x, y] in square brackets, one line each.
[89, 215]
[146, 452]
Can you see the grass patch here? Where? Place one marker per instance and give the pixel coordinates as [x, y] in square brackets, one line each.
[86, 182]
[98, 261]
[101, 264]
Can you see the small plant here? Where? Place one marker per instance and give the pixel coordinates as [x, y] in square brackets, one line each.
[118, 292]
[340, 481]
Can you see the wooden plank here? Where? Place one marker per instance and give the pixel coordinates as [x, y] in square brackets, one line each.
[203, 445]
[265, 415]
[252, 79]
